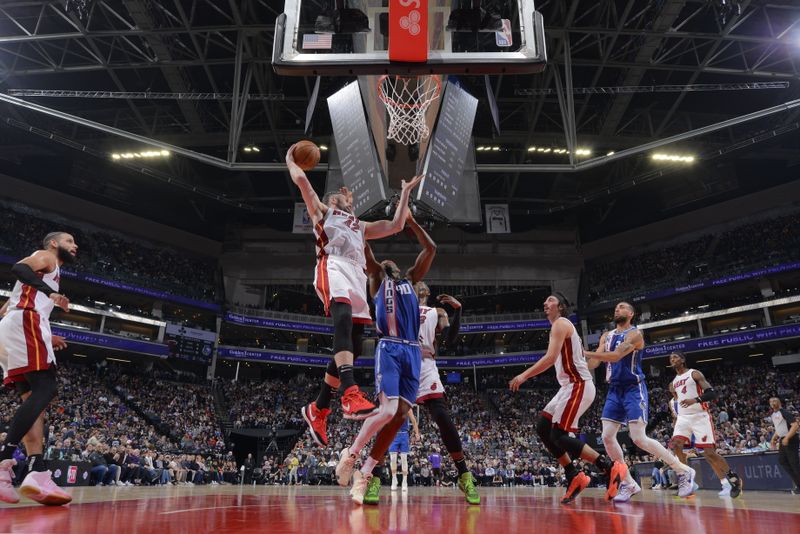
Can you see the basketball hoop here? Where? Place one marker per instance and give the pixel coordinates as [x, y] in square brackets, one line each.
[407, 98]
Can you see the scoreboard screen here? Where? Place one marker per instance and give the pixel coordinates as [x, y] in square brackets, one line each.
[450, 184]
[190, 343]
[356, 164]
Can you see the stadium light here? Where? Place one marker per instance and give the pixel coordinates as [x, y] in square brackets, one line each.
[672, 158]
[709, 360]
[147, 154]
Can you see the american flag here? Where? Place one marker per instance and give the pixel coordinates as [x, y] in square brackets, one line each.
[317, 41]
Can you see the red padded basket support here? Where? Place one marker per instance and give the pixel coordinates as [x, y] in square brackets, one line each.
[408, 30]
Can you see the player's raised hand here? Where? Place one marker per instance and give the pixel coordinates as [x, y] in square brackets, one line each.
[61, 301]
[517, 381]
[451, 301]
[411, 184]
[58, 342]
[290, 155]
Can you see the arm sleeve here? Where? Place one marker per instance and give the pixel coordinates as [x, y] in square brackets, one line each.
[450, 333]
[708, 395]
[26, 275]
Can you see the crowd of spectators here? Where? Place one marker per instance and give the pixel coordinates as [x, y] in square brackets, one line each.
[498, 434]
[109, 255]
[90, 422]
[752, 245]
[154, 430]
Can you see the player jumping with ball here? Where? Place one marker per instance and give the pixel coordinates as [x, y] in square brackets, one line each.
[341, 282]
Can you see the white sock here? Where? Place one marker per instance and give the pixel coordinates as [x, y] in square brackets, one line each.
[724, 482]
[368, 466]
[613, 450]
[640, 439]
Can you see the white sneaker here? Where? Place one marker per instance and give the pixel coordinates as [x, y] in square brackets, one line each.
[39, 486]
[344, 469]
[626, 491]
[404, 487]
[726, 491]
[7, 492]
[360, 483]
[394, 482]
[686, 485]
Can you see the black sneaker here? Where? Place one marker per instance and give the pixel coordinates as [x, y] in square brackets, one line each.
[736, 485]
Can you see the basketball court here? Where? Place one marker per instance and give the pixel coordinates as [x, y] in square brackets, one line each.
[245, 509]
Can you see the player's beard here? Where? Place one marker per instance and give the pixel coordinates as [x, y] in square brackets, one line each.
[65, 256]
[620, 319]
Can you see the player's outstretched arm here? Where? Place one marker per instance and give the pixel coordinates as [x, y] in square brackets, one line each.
[558, 334]
[594, 363]
[423, 263]
[379, 229]
[316, 209]
[633, 341]
[374, 270]
[449, 327]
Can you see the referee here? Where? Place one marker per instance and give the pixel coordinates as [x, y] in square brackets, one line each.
[785, 425]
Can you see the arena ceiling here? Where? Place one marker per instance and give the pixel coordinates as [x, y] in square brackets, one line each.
[640, 71]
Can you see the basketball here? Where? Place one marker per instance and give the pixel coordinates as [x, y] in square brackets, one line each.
[306, 155]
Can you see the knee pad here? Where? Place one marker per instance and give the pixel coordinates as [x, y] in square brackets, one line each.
[44, 384]
[342, 314]
[437, 409]
[543, 427]
[393, 461]
[570, 445]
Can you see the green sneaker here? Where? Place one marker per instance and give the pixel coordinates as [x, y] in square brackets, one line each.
[373, 491]
[467, 485]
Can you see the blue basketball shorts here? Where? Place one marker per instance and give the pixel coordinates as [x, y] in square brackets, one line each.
[626, 403]
[397, 366]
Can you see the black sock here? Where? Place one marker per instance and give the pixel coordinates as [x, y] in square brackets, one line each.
[7, 451]
[604, 463]
[570, 470]
[461, 465]
[732, 476]
[36, 463]
[325, 394]
[346, 377]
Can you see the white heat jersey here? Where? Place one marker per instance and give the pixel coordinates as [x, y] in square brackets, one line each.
[571, 363]
[24, 297]
[341, 234]
[687, 388]
[428, 320]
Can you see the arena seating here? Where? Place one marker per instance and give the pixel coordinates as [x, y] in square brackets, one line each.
[751, 245]
[112, 256]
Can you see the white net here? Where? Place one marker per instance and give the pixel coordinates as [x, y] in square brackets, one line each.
[407, 98]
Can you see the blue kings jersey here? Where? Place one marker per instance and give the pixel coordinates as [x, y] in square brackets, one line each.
[397, 310]
[629, 369]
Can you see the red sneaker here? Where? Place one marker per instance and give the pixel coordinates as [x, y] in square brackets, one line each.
[618, 473]
[355, 404]
[578, 484]
[316, 420]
